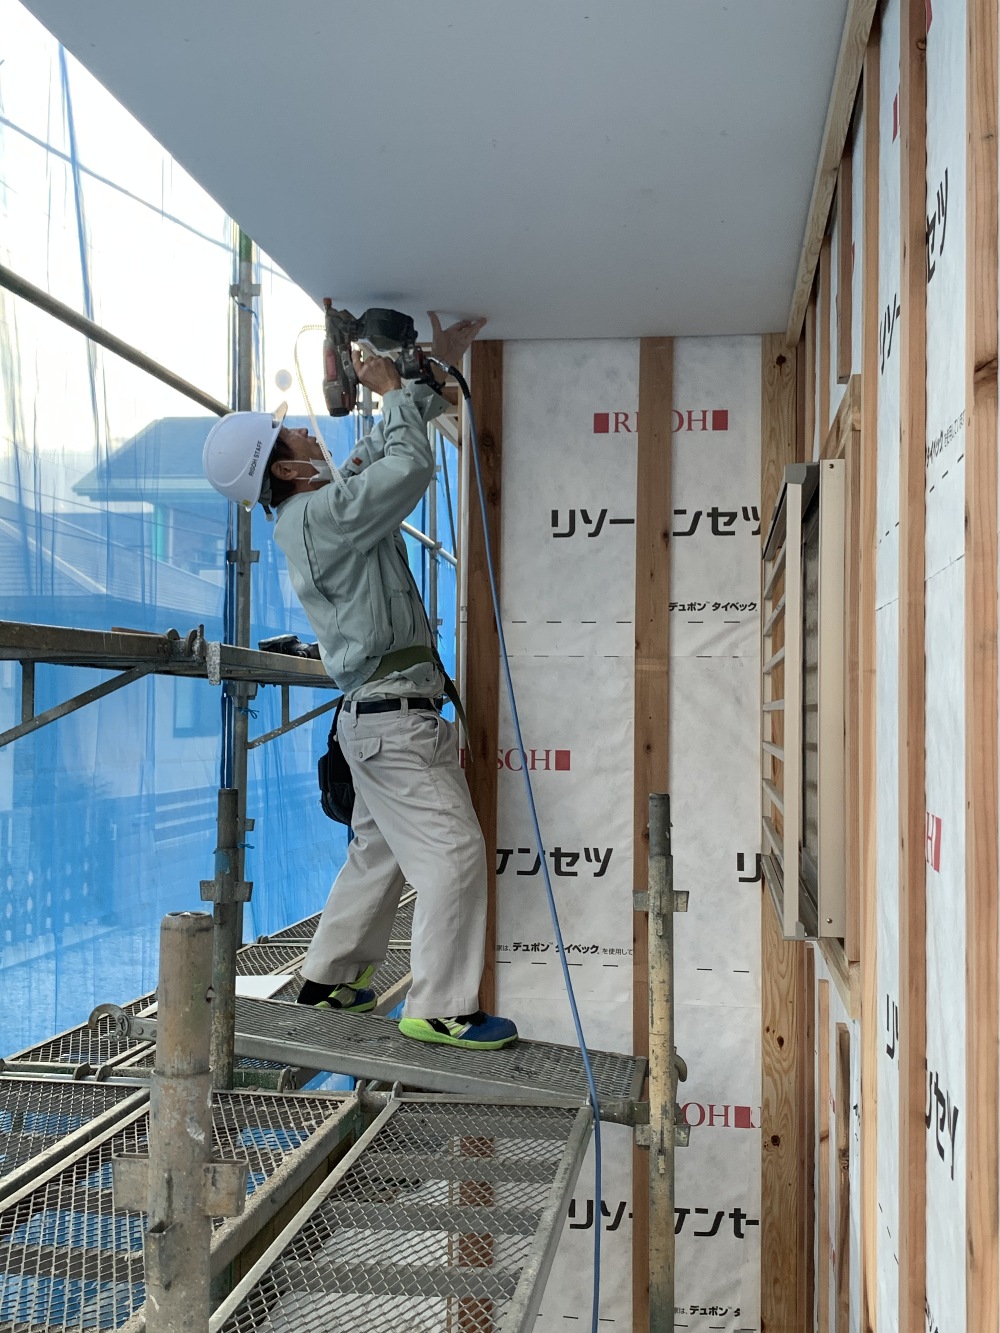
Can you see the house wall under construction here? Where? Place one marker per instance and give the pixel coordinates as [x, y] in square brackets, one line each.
[758, 573]
[880, 1041]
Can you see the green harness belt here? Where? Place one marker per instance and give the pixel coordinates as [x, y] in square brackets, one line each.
[401, 659]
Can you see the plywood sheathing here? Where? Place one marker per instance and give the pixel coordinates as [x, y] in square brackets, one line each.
[653, 516]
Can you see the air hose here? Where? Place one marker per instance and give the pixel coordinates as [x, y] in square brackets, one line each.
[567, 981]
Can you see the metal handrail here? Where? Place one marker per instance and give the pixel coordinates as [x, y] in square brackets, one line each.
[29, 292]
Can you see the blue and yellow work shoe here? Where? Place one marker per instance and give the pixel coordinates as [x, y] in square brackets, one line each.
[363, 980]
[472, 1032]
[355, 998]
[349, 1000]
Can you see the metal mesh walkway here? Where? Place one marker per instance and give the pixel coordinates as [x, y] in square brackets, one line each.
[442, 1216]
[299, 932]
[259, 960]
[69, 1259]
[40, 1118]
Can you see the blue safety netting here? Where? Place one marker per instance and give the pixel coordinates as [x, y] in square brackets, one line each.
[107, 817]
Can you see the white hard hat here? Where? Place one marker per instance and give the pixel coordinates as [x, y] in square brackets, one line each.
[236, 453]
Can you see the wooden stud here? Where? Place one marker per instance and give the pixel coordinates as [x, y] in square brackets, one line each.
[854, 41]
[845, 266]
[823, 314]
[912, 867]
[449, 424]
[809, 412]
[847, 421]
[783, 1152]
[807, 1166]
[844, 975]
[870, 1017]
[779, 374]
[851, 445]
[800, 454]
[651, 766]
[843, 441]
[981, 751]
[823, 1161]
[778, 419]
[482, 693]
[786, 1060]
[842, 1183]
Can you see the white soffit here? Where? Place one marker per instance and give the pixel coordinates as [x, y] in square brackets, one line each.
[569, 168]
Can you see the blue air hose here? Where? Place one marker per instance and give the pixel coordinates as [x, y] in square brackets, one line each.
[567, 981]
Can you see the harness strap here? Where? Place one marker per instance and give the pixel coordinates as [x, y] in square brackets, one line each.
[401, 659]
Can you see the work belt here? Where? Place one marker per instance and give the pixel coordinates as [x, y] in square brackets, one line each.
[391, 705]
[401, 659]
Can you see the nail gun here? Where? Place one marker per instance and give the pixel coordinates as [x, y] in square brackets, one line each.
[388, 333]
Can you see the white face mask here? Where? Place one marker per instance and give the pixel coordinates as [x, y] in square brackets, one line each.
[322, 469]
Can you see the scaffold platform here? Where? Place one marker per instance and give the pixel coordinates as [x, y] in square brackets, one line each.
[368, 1047]
[170, 654]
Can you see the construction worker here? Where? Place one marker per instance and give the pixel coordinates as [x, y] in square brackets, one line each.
[413, 820]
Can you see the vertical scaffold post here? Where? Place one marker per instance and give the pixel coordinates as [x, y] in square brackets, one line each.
[228, 909]
[228, 892]
[662, 1067]
[432, 556]
[178, 1185]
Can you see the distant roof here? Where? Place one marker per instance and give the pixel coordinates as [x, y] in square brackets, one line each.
[162, 463]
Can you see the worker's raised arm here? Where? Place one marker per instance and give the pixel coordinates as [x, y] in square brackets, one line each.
[372, 447]
[371, 505]
[448, 346]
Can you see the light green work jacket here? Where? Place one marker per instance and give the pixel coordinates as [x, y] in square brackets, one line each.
[346, 556]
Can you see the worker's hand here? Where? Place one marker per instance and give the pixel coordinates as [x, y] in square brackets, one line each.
[375, 372]
[451, 344]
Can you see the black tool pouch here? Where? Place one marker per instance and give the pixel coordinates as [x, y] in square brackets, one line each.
[336, 786]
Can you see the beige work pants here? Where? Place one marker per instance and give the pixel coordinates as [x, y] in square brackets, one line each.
[413, 823]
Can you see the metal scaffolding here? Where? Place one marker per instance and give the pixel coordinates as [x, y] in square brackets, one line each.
[232, 664]
[500, 1106]
[442, 1215]
[71, 1246]
[179, 1182]
[489, 1150]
